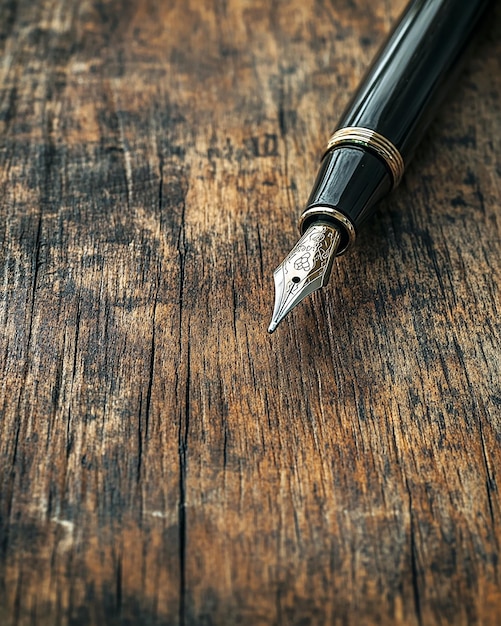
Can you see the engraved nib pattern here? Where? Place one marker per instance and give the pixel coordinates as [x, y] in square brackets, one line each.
[306, 268]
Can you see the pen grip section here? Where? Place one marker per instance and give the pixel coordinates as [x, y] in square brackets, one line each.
[349, 184]
[413, 70]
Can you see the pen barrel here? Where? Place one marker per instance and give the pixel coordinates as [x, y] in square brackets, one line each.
[413, 70]
[387, 117]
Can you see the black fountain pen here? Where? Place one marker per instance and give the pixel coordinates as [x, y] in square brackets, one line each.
[366, 156]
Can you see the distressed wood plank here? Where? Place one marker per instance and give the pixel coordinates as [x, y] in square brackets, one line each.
[162, 459]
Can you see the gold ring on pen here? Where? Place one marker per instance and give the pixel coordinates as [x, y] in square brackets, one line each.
[370, 139]
[339, 219]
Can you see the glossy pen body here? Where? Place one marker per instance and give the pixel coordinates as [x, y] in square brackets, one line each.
[377, 135]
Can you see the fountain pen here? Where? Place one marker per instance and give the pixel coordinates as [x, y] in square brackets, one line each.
[375, 139]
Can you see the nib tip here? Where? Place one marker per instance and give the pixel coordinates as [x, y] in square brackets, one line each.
[272, 326]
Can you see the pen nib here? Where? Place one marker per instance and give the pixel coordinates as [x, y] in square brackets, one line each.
[305, 269]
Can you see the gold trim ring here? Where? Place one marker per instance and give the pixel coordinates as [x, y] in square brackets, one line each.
[370, 139]
[342, 220]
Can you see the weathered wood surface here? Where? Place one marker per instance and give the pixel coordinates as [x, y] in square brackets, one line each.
[164, 460]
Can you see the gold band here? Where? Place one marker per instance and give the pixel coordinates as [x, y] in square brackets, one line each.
[367, 138]
[342, 220]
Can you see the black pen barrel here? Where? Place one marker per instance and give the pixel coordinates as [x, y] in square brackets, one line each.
[387, 117]
[414, 70]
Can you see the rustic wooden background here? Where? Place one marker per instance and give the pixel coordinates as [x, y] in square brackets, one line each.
[163, 460]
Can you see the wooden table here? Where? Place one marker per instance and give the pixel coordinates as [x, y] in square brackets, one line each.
[164, 461]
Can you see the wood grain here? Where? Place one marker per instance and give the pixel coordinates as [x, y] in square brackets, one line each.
[163, 461]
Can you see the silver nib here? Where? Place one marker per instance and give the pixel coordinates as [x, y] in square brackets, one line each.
[305, 269]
